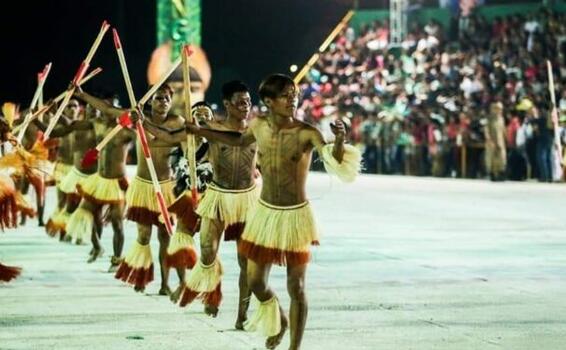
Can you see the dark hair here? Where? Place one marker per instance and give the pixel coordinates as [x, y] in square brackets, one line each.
[232, 87]
[202, 104]
[167, 88]
[273, 85]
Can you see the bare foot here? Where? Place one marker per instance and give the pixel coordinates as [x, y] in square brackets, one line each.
[273, 341]
[165, 290]
[114, 263]
[67, 238]
[211, 310]
[174, 297]
[240, 322]
[95, 255]
[41, 224]
[139, 289]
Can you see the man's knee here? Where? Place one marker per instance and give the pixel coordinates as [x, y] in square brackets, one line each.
[163, 237]
[118, 229]
[208, 253]
[116, 214]
[242, 262]
[256, 284]
[144, 234]
[296, 287]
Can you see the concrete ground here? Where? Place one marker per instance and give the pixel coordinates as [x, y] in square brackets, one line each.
[405, 263]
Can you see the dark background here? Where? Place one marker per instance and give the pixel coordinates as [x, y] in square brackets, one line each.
[244, 39]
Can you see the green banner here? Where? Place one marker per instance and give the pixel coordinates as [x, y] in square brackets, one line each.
[178, 21]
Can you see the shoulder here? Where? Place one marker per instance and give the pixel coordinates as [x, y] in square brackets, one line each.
[307, 127]
[175, 119]
[257, 121]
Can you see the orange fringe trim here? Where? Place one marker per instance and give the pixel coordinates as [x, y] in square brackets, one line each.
[264, 255]
[122, 182]
[184, 209]
[8, 273]
[52, 228]
[234, 232]
[213, 298]
[184, 258]
[145, 216]
[8, 212]
[139, 277]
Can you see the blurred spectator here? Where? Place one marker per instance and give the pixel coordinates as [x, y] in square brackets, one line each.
[495, 148]
[423, 109]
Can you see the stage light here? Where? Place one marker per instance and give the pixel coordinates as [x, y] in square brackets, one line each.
[293, 68]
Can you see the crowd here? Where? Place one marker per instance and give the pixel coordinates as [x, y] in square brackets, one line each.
[477, 106]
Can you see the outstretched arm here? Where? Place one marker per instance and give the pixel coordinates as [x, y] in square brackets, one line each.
[170, 136]
[66, 128]
[342, 160]
[99, 104]
[339, 131]
[231, 138]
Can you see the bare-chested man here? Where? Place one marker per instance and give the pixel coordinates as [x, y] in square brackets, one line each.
[137, 268]
[282, 227]
[181, 252]
[105, 187]
[63, 166]
[225, 206]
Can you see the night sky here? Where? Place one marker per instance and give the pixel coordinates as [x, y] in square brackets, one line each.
[244, 39]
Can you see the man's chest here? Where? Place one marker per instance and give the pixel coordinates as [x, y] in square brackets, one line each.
[284, 147]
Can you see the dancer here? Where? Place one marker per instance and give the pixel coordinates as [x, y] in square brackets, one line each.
[137, 268]
[225, 206]
[12, 203]
[107, 186]
[282, 227]
[57, 223]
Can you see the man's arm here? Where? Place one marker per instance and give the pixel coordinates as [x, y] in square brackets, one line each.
[66, 128]
[231, 138]
[172, 136]
[339, 131]
[99, 104]
[339, 159]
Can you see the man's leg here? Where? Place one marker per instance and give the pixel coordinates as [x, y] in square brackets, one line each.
[210, 233]
[181, 271]
[96, 233]
[144, 237]
[72, 203]
[245, 292]
[61, 200]
[40, 201]
[38, 183]
[23, 185]
[209, 239]
[164, 238]
[258, 276]
[117, 220]
[299, 306]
